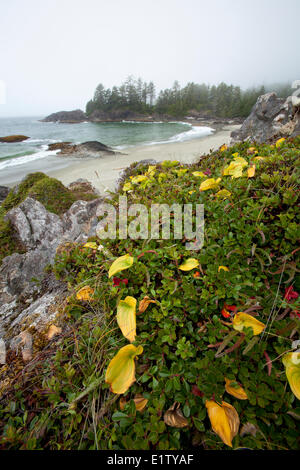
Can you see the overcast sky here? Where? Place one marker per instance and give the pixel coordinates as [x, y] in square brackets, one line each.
[53, 53]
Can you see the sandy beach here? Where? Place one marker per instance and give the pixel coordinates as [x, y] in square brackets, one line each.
[103, 173]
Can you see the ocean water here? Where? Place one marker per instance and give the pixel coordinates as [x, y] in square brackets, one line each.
[16, 159]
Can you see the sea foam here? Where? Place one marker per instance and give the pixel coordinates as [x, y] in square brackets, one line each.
[10, 162]
[194, 133]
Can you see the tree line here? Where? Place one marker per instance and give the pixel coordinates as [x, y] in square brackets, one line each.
[223, 100]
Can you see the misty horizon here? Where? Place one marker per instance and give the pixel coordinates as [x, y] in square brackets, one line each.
[54, 54]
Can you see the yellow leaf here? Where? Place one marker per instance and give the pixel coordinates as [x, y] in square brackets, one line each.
[224, 420]
[242, 320]
[143, 305]
[210, 183]
[236, 154]
[151, 170]
[223, 148]
[251, 171]
[173, 417]
[291, 362]
[127, 186]
[91, 245]
[126, 317]
[162, 176]
[180, 172]
[258, 158]
[120, 373]
[279, 142]
[121, 263]
[192, 192]
[138, 179]
[234, 169]
[224, 268]
[53, 331]
[198, 174]
[85, 293]
[241, 161]
[189, 264]
[139, 400]
[223, 194]
[237, 392]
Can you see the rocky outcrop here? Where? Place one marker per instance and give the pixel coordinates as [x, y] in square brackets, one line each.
[34, 226]
[69, 117]
[4, 190]
[36, 311]
[270, 117]
[9, 139]
[90, 149]
[25, 290]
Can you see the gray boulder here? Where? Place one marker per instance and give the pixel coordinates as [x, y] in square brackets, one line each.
[270, 117]
[23, 280]
[34, 225]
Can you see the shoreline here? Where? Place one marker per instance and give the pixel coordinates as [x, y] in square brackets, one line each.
[103, 173]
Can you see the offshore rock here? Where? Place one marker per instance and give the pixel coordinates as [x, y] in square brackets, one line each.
[9, 139]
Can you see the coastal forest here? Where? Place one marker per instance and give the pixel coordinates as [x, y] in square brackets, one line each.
[136, 95]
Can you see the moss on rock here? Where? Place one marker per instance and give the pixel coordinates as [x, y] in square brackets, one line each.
[48, 191]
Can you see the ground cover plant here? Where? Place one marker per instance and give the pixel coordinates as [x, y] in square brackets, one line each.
[163, 348]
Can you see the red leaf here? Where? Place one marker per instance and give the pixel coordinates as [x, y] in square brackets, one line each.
[196, 391]
[290, 294]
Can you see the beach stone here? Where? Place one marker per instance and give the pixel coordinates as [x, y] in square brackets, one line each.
[270, 117]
